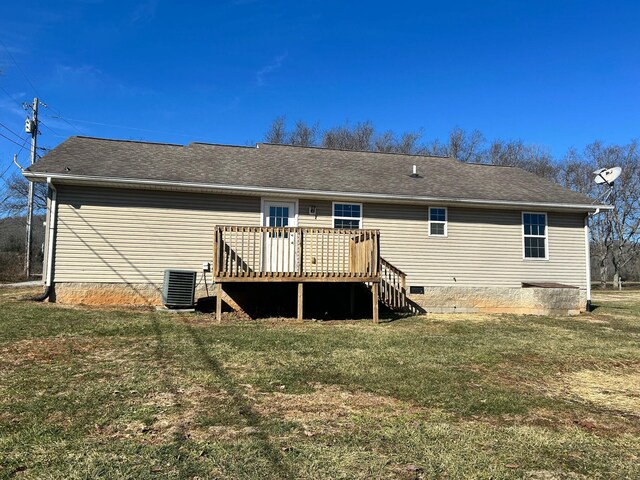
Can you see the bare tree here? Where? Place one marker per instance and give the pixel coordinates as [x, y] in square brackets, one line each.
[408, 143]
[385, 143]
[625, 217]
[303, 135]
[14, 200]
[615, 233]
[13, 209]
[516, 153]
[461, 145]
[359, 137]
[277, 133]
[464, 146]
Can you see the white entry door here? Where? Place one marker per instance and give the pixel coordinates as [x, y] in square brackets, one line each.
[279, 252]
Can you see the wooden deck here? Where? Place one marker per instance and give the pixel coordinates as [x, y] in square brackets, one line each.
[295, 254]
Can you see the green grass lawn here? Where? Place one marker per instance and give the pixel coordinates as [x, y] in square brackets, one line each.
[88, 393]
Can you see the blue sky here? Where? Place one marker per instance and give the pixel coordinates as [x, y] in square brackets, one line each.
[554, 73]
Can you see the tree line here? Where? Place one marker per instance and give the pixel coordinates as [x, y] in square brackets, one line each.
[615, 233]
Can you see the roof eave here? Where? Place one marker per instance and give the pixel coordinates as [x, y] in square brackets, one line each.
[300, 193]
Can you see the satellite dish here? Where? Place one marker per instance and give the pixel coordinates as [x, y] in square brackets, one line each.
[607, 175]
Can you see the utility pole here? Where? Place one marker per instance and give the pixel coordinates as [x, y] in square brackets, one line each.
[31, 126]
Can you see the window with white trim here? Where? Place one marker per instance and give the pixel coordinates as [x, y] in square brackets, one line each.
[437, 221]
[534, 230]
[347, 215]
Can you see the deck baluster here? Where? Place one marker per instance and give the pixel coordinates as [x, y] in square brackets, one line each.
[245, 253]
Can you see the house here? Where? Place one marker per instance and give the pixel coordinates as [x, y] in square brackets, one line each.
[427, 233]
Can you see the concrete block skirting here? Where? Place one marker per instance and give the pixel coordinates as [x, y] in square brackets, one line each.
[138, 294]
[534, 301]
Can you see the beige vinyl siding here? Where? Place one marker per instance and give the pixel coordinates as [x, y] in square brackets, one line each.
[321, 219]
[483, 247]
[129, 235]
[120, 235]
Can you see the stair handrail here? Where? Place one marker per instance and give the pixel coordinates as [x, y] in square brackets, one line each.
[385, 263]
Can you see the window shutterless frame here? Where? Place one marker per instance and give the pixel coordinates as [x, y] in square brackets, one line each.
[531, 224]
[345, 213]
[438, 218]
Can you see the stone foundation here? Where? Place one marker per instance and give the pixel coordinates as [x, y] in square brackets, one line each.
[139, 294]
[534, 301]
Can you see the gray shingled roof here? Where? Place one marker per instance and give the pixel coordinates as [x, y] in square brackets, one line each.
[299, 168]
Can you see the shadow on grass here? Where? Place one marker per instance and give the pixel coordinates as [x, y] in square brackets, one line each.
[169, 385]
[237, 400]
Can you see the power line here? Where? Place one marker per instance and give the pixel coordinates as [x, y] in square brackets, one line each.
[125, 127]
[13, 141]
[59, 116]
[35, 106]
[52, 130]
[6, 170]
[20, 69]
[11, 97]
[24, 144]
[17, 157]
[17, 135]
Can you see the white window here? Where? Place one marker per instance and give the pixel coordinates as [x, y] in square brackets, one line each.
[437, 221]
[347, 215]
[534, 230]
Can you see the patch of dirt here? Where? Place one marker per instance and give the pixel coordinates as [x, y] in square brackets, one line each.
[42, 350]
[617, 390]
[553, 475]
[59, 419]
[208, 319]
[221, 432]
[192, 319]
[329, 408]
[103, 308]
[467, 317]
[119, 355]
[600, 423]
[176, 417]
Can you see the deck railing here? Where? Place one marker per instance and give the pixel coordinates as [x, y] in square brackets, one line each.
[393, 285]
[295, 254]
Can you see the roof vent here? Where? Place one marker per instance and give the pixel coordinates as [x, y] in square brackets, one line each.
[414, 172]
[179, 288]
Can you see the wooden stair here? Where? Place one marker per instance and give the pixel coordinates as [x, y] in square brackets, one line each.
[393, 289]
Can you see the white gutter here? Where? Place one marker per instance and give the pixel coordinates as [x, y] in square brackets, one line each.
[52, 229]
[587, 250]
[91, 180]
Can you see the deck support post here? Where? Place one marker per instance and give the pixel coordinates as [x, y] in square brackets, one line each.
[300, 300]
[374, 295]
[219, 302]
[352, 300]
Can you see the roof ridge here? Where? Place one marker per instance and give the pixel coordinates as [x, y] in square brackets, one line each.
[127, 141]
[480, 164]
[314, 147]
[220, 145]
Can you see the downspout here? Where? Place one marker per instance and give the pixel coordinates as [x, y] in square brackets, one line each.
[587, 251]
[50, 245]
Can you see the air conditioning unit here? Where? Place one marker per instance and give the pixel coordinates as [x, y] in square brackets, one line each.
[179, 288]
